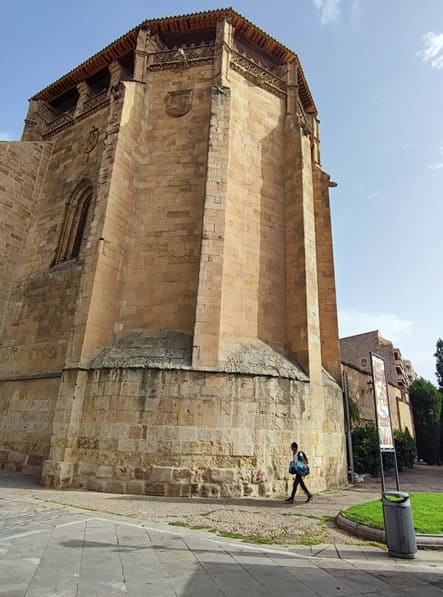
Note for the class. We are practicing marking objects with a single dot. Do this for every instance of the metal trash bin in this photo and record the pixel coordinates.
(399, 525)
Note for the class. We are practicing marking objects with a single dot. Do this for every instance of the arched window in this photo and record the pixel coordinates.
(74, 223)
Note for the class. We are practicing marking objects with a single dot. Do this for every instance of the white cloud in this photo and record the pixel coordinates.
(390, 326)
(373, 195)
(329, 10)
(438, 165)
(433, 49)
(4, 136)
(407, 146)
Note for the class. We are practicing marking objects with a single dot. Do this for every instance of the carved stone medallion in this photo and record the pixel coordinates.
(92, 139)
(178, 103)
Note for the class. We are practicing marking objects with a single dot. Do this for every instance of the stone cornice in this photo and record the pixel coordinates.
(177, 26)
(257, 74)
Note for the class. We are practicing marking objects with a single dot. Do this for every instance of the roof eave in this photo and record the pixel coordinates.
(180, 24)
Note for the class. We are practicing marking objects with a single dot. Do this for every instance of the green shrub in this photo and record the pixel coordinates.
(367, 455)
(365, 450)
(405, 449)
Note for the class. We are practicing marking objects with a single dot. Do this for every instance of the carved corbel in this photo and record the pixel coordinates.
(84, 92)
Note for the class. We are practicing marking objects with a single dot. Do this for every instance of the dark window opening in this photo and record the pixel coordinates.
(65, 102)
(99, 82)
(127, 64)
(80, 228)
(74, 224)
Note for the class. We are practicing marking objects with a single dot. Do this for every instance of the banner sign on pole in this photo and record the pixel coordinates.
(382, 404)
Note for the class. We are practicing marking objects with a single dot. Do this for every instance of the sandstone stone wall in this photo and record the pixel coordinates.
(330, 347)
(161, 272)
(167, 358)
(97, 314)
(254, 272)
(188, 433)
(22, 170)
(26, 415)
(40, 316)
(39, 319)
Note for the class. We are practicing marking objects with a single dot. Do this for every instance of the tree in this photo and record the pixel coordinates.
(426, 406)
(439, 365)
(439, 373)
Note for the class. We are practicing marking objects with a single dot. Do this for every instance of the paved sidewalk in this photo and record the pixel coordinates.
(47, 551)
(64, 543)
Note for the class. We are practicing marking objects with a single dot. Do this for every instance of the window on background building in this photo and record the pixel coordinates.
(74, 224)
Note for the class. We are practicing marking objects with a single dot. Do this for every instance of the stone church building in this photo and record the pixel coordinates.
(168, 316)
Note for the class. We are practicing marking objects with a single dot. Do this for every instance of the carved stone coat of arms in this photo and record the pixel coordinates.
(91, 140)
(178, 103)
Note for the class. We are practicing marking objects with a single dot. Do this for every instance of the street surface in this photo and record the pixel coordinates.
(49, 549)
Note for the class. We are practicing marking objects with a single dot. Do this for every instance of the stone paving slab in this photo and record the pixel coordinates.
(96, 556)
(49, 549)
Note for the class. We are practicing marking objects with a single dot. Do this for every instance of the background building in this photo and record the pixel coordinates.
(168, 305)
(356, 363)
(355, 351)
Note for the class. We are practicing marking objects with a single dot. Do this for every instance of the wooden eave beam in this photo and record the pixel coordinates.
(176, 25)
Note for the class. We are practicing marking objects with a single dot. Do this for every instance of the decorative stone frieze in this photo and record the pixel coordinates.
(61, 122)
(174, 59)
(257, 74)
(94, 103)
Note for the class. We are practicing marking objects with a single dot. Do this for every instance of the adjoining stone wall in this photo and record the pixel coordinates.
(26, 413)
(254, 272)
(22, 170)
(40, 315)
(161, 272)
(188, 433)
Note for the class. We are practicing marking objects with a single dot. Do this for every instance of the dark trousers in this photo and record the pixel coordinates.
(299, 481)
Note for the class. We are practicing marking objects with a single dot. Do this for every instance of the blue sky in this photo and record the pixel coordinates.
(375, 68)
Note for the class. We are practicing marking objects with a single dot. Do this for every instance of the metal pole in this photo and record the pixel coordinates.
(348, 425)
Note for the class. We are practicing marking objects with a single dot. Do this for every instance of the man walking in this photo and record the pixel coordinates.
(301, 461)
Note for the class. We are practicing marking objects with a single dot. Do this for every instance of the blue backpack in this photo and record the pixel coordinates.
(298, 467)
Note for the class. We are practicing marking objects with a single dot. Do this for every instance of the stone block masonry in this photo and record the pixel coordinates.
(168, 308)
(188, 433)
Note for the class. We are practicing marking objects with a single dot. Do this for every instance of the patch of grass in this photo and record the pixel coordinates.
(374, 544)
(206, 514)
(427, 512)
(249, 538)
(194, 527)
(309, 538)
(178, 523)
(311, 516)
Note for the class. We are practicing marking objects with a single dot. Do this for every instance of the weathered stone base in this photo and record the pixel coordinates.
(192, 433)
(164, 481)
(21, 462)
